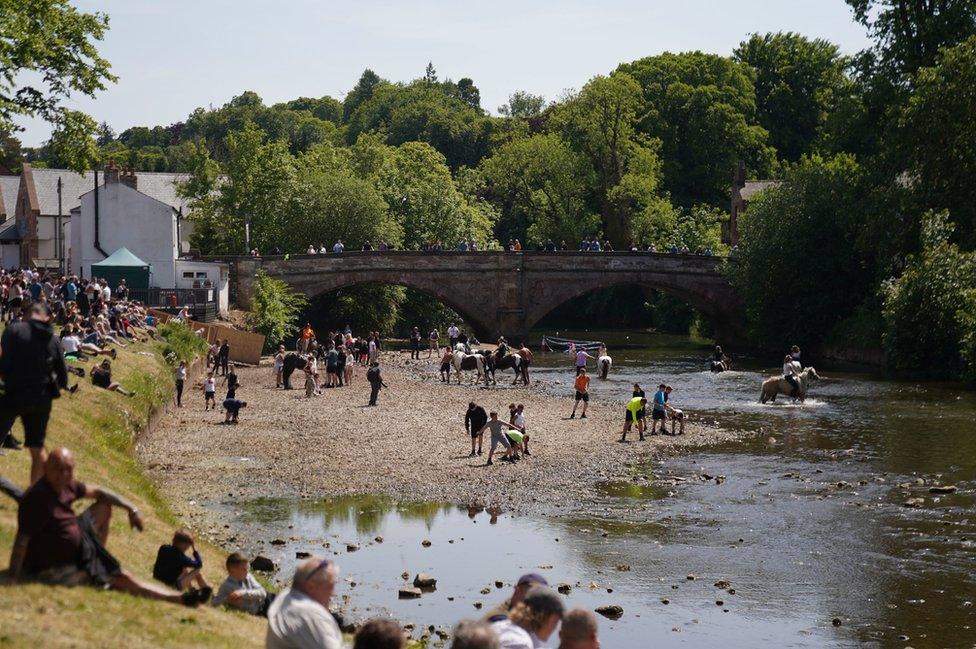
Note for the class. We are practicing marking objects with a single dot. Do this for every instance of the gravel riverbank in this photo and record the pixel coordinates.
(412, 446)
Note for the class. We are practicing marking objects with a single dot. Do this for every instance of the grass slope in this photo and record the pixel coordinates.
(100, 427)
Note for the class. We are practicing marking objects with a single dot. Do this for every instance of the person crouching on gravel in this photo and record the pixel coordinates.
(496, 426)
(677, 415)
(233, 409)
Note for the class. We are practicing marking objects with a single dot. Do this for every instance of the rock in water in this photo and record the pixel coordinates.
(409, 592)
(623, 567)
(302, 555)
(914, 502)
(351, 547)
(425, 543)
(611, 611)
(423, 580)
(564, 588)
(262, 563)
(943, 489)
(277, 541)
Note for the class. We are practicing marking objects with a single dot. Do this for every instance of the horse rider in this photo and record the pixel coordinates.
(789, 373)
(795, 354)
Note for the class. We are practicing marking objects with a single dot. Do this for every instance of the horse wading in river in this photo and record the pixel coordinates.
(506, 362)
(603, 364)
(776, 385)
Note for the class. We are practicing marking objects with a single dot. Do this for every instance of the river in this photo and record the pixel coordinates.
(806, 519)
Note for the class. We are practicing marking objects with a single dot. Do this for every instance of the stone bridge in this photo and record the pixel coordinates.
(504, 293)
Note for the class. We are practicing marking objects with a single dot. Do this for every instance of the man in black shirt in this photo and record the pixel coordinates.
(474, 421)
(223, 356)
(33, 372)
(375, 382)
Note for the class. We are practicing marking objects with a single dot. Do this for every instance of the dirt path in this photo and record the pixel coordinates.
(412, 446)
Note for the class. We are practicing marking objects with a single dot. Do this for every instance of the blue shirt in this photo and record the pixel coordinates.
(659, 399)
(70, 291)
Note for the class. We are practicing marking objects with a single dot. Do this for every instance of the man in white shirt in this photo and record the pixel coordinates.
(452, 335)
(299, 617)
(106, 293)
(338, 247)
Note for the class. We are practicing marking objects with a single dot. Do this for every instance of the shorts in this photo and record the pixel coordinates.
(500, 438)
(332, 369)
(209, 396)
(583, 396)
(33, 413)
(515, 436)
(629, 416)
(95, 565)
(445, 367)
(658, 414)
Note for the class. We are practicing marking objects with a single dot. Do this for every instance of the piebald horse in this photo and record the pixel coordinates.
(468, 362)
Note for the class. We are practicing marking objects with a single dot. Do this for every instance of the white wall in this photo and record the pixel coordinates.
(127, 219)
(205, 274)
(9, 255)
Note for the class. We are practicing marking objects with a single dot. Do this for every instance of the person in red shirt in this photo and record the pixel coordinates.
(55, 546)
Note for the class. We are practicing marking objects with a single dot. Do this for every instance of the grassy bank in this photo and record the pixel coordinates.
(100, 427)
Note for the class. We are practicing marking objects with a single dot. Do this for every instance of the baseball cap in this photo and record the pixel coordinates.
(545, 600)
(532, 578)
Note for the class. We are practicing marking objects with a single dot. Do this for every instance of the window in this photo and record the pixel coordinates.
(188, 274)
(202, 275)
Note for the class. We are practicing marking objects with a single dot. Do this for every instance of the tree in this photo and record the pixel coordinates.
(798, 268)
(936, 142)
(11, 153)
(600, 123)
(543, 186)
(799, 82)
(523, 105)
(72, 144)
(48, 53)
(274, 310)
(702, 107)
(468, 93)
(930, 310)
(909, 33)
(361, 93)
(430, 74)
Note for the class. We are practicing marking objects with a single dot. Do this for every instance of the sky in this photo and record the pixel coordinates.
(174, 56)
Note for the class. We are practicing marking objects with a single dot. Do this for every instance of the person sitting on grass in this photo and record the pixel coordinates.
(380, 633)
(77, 350)
(241, 591)
(101, 376)
(55, 546)
(233, 409)
(530, 622)
(299, 617)
(177, 570)
(496, 426)
(632, 415)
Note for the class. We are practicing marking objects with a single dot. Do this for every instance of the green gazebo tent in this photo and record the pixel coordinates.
(122, 264)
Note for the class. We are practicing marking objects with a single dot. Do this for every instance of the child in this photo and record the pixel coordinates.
(180, 380)
(240, 591)
(279, 366)
(233, 408)
(209, 390)
(177, 570)
(676, 415)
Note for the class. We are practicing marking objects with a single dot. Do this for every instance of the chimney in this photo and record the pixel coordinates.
(128, 177)
(740, 174)
(111, 172)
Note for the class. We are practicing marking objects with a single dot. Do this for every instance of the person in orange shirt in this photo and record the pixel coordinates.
(307, 335)
(518, 246)
(582, 393)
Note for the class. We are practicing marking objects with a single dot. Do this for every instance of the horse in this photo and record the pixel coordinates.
(776, 385)
(291, 363)
(508, 361)
(467, 362)
(723, 365)
(603, 364)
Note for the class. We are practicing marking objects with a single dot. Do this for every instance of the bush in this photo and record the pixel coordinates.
(930, 310)
(181, 343)
(274, 310)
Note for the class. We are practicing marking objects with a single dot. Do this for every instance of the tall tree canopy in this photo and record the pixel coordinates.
(799, 82)
(702, 107)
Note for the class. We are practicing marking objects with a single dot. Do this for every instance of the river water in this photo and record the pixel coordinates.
(806, 519)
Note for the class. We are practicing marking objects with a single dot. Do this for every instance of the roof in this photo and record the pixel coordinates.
(158, 185)
(122, 257)
(753, 187)
(9, 185)
(9, 231)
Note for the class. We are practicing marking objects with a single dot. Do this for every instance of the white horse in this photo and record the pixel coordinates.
(476, 362)
(603, 364)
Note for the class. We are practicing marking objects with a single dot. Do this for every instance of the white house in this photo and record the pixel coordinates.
(118, 214)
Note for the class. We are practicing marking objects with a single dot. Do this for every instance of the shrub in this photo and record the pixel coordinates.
(180, 343)
(274, 310)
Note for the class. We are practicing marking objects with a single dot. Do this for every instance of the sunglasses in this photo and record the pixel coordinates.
(324, 563)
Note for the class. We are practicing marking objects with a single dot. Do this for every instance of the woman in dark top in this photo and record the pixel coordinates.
(101, 376)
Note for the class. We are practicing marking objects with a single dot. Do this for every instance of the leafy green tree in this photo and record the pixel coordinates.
(275, 308)
(72, 144)
(702, 107)
(523, 105)
(360, 94)
(799, 269)
(47, 53)
(325, 108)
(930, 310)
(909, 33)
(936, 142)
(799, 83)
(11, 152)
(543, 185)
(600, 123)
